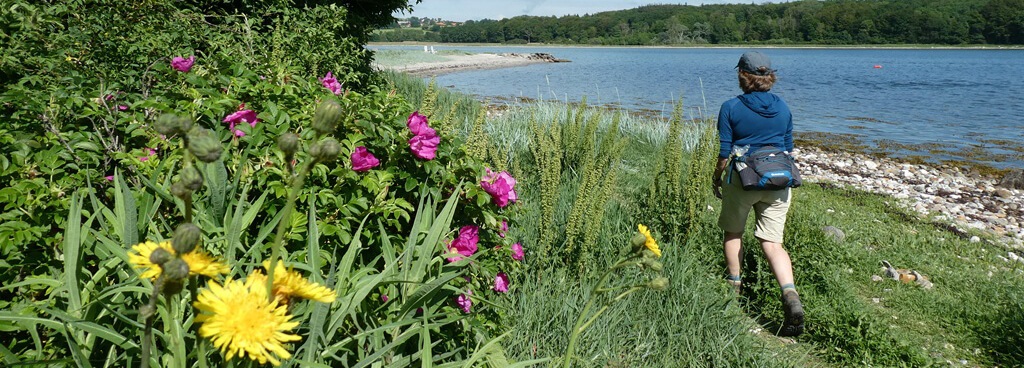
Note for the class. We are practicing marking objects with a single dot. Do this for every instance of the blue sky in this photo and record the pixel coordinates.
(461, 10)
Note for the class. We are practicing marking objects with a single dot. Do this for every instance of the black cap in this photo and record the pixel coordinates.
(752, 61)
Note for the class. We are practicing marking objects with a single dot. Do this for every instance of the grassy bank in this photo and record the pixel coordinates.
(971, 316)
(392, 58)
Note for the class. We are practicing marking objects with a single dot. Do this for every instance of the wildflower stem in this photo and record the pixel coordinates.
(282, 226)
(149, 311)
(580, 325)
(186, 159)
(607, 305)
(188, 208)
(193, 290)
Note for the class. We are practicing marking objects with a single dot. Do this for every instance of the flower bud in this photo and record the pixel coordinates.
(171, 287)
(160, 256)
(191, 178)
(171, 124)
(326, 117)
(660, 283)
(653, 265)
(326, 150)
(178, 189)
(204, 146)
(288, 143)
(175, 269)
(186, 237)
(638, 241)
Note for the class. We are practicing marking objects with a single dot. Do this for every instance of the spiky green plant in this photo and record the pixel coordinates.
(477, 143)
(547, 153)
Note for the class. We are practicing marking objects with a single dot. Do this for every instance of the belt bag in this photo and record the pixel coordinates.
(767, 168)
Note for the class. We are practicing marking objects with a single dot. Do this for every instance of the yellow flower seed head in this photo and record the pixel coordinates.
(291, 284)
(239, 319)
(660, 283)
(649, 243)
(199, 263)
(653, 265)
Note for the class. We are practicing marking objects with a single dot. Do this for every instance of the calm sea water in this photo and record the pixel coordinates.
(941, 104)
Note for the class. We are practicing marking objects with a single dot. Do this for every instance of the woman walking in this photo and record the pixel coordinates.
(756, 118)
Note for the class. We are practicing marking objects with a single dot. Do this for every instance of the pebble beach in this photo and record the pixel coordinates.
(967, 201)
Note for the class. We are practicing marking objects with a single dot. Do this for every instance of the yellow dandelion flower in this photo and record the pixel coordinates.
(288, 283)
(650, 243)
(199, 263)
(239, 319)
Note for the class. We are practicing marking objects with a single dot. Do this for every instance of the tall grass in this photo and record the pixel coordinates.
(694, 323)
(972, 314)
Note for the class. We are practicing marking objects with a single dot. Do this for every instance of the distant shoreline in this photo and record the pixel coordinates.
(751, 46)
(460, 63)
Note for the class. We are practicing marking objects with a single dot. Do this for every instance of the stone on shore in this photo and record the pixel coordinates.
(1013, 180)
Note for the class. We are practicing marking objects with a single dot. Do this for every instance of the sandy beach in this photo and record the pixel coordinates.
(455, 63)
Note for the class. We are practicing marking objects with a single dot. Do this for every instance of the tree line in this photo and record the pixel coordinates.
(949, 22)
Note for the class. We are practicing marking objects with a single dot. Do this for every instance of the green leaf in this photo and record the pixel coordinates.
(217, 184)
(425, 292)
(72, 246)
(76, 352)
(125, 211)
(387, 348)
(36, 281)
(313, 243)
(411, 184)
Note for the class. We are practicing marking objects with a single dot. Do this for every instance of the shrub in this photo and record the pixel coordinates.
(97, 167)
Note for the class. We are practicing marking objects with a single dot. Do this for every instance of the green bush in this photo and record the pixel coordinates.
(93, 167)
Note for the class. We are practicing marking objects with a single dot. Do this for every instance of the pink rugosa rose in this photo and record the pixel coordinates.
(517, 252)
(425, 139)
(331, 83)
(363, 160)
(149, 153)
(501, 282)
(241, 116)
(464, 302)
(109, 177)
(425, 146)
(417, 124)
(501, 187)
(182, 64)
(504, 229)
(464, 244)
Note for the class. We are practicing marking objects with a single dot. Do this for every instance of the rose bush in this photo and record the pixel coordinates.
(113, 146)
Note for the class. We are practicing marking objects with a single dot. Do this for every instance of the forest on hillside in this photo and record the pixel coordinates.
(949, 22)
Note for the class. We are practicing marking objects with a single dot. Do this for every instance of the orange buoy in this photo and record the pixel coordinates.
(878, 66)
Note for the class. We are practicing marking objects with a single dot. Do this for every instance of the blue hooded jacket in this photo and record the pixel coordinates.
(756, 118)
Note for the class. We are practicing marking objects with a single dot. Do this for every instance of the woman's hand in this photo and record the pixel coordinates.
(716, 178)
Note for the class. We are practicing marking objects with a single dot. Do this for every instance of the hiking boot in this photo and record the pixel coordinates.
(737, 286)
(794, 311)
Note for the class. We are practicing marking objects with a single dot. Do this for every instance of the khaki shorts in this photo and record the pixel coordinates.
(770, 208)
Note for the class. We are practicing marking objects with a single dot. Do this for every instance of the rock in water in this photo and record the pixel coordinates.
(1013, 180)
(833, 232)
